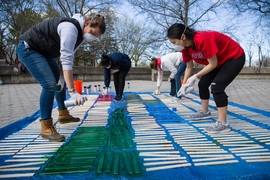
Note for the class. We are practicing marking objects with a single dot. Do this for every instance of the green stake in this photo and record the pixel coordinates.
(127, 163)
(101, 162)
(135, 162)
(109, 162)
(116, 164)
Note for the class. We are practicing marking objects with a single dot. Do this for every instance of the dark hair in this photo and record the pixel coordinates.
(153, 63)
(105, 60)
(176, 30)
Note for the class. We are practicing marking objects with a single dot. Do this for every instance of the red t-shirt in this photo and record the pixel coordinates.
(210, 43)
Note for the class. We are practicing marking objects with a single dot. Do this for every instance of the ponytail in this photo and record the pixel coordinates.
(153, 63)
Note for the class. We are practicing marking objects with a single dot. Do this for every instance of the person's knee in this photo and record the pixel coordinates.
(49, 86)
(217, 89)
(220, 97)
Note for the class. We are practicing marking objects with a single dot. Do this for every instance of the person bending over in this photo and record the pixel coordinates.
(222, 57)
(38, 48)
(119, 65)
(171, 62)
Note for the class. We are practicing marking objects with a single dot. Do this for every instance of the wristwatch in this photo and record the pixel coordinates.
(71, 90)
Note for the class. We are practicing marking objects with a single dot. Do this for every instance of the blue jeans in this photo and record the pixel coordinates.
(46, 72)
(176, 82)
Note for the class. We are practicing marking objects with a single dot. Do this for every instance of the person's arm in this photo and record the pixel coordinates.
(107, 77)
(188, 70)
(209, 67)
(159, 78)
(212, 65)
(68, 36)
(68, 75)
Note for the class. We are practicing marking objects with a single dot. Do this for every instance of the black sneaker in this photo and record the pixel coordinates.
(118, 98)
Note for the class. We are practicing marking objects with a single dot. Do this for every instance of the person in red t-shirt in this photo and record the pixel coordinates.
(223, 58)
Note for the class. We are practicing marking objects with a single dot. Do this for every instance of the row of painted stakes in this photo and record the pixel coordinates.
(24, 152)
(112, 149)
(155, 149)
(248, 141)
(85, 147)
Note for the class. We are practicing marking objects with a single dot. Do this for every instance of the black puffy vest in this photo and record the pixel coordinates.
(44, 38)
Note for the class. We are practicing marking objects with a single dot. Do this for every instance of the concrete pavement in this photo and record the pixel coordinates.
(18, 101)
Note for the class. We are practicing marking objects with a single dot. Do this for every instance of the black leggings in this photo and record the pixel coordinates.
(219, 79)
(119, 81)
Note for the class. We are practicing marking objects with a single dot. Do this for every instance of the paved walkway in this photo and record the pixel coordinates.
(18, 101)
(155, 140)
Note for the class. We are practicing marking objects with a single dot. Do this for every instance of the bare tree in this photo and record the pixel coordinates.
(166, 12)
(250, 54)
(16, 17)
(257, 9)
(266, 60)
(134, 38)
(68, 8)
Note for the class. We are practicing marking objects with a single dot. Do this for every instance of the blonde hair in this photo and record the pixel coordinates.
(97, 20)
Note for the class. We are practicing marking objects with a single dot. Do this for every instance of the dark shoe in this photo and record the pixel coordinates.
(118, 98)
(49, 132)
(65, 117)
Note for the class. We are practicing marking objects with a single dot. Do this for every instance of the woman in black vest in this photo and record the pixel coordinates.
(37, 50)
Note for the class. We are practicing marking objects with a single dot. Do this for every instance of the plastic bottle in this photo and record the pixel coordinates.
(103, 91)
(84, 90)
(95, 88)
(128, 85)
(88, 90)
(110, 89)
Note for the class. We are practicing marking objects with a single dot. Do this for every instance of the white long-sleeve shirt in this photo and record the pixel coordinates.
(68, 34)
(169, 62)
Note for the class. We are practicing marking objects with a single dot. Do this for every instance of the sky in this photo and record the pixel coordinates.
(245, 33)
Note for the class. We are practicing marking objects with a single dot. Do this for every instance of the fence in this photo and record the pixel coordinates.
(88, 74)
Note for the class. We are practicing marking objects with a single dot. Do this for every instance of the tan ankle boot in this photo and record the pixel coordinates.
(65, 117)
(49, 132)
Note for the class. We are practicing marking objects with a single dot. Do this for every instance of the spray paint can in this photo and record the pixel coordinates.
(84, 90)
(95, 88)
(128, 85)
(98, 87)
(69, 103)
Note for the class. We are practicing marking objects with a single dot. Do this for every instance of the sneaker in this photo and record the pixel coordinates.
(118, 98)
(201, 115)
(218, 127)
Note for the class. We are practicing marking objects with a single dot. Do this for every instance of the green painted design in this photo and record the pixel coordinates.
(151, 102)
(103, 150)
